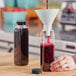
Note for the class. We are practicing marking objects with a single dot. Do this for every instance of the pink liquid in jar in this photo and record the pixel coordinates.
(47, 55)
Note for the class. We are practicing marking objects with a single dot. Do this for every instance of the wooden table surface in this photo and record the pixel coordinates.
(7, 67)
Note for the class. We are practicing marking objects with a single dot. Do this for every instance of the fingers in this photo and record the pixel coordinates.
(58, 64)
(58, 59)
(63, 63)
(60, 69)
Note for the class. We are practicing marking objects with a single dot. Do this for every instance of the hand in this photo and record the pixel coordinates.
(63, 63)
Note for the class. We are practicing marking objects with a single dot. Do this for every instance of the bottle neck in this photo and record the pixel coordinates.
(47, 39)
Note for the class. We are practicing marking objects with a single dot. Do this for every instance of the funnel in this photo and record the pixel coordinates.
(47, 16)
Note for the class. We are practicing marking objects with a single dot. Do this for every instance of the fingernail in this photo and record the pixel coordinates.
(52, 63)
(50, 68)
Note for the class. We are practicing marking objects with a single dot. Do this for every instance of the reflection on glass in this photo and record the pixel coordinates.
(63, 5)
(74, 5)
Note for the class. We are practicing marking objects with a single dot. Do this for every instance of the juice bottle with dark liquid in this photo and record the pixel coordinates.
(47, 50)
(21, 44)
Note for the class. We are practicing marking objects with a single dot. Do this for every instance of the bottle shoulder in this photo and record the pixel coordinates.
(21, 27)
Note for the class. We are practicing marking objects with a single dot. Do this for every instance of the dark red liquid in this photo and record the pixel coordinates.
(47, 55)
(21, 46)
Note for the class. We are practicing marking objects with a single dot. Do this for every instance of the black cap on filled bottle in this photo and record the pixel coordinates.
(21, 23)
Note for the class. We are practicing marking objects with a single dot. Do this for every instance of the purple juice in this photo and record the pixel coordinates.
(21, 45)
(47, 55)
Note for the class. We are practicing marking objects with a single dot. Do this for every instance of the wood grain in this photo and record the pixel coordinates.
(7, 67)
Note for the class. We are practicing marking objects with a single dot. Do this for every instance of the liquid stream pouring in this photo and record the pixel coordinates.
(47, 16)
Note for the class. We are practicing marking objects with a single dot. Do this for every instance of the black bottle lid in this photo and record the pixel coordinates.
(36, 71)
(21, 23)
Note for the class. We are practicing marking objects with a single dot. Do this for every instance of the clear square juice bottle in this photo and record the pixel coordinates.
(21, 47)
(47, 50)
